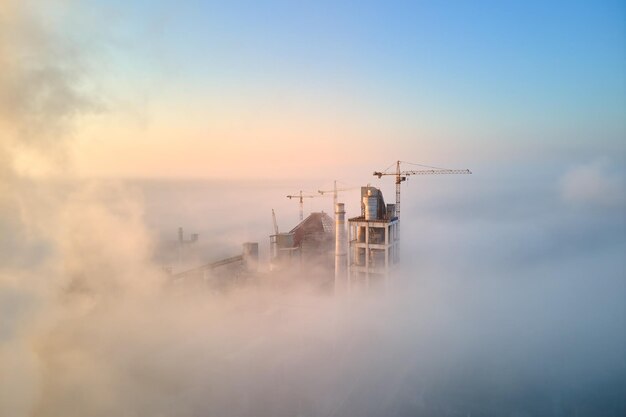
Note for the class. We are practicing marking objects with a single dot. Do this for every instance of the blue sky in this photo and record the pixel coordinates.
(508, 77)
(512, 297)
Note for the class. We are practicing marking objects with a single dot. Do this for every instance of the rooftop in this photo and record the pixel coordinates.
(315, 224)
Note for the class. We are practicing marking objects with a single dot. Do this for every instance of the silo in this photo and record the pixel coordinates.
(371, 206)
(341, 259)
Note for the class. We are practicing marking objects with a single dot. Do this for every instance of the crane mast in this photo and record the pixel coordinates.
(301, 198)
(335, 192)
(402, 176)
(399, 180)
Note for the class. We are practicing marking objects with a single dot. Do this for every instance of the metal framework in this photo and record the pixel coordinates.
(301, 198)
(402, 176)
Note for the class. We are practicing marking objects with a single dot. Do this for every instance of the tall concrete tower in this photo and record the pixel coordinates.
(374, 241)
(341, 261)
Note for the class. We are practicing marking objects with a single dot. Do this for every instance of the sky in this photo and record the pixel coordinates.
(268, 89)
(121, 122)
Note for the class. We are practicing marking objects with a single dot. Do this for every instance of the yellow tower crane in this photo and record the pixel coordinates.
(301, 198)
(335, 191)
(402, 176)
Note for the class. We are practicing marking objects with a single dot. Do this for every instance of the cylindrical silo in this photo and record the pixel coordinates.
(371, 206)
(341, 259)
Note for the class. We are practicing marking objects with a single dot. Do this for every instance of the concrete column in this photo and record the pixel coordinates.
(341, 261)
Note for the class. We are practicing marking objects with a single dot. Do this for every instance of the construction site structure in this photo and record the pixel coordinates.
(373, 243)
(184, 244)
(283, 251)
(341, 259)
(221, 273)
(401, 176)
(310, 243)
(336, 192)
(300, 196)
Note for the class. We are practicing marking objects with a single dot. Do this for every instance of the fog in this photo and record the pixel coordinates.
(507, 303)
(509, 300)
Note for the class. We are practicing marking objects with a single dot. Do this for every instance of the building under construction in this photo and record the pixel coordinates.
(222, 273)
(367, 252)
(355, 256)
(309, 245)
(374, 241)
(361, 256)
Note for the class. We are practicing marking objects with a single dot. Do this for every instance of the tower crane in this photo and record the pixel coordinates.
(335, 191)
(402, 176)
(301, 198)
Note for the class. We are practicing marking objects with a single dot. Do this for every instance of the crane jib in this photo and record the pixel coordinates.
(402, 176)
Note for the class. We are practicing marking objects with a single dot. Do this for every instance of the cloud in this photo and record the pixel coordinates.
(594, 184)
(87, 329)
(44, 86)
(43, 90)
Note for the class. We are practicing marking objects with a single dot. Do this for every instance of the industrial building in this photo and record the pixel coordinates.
(373, 243)
(222, 273)
(184, 245)
(374, 240)
(310, 244)
(362, 255)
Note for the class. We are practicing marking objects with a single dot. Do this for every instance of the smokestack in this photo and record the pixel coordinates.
(341, 261)
(180, 235)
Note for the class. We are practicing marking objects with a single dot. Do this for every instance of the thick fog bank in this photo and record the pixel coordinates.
(495, 311)
(509, 301)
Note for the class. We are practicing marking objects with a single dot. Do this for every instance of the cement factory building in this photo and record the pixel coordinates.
(309, 244)
(364, 254)
(373, 243)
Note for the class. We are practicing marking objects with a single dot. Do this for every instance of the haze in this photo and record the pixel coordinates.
(120, 123)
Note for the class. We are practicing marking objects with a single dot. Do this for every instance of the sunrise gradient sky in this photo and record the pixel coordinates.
(277, 88)
(509, 298)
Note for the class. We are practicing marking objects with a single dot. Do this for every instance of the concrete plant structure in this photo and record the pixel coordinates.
(310, 244)
(374, 242)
